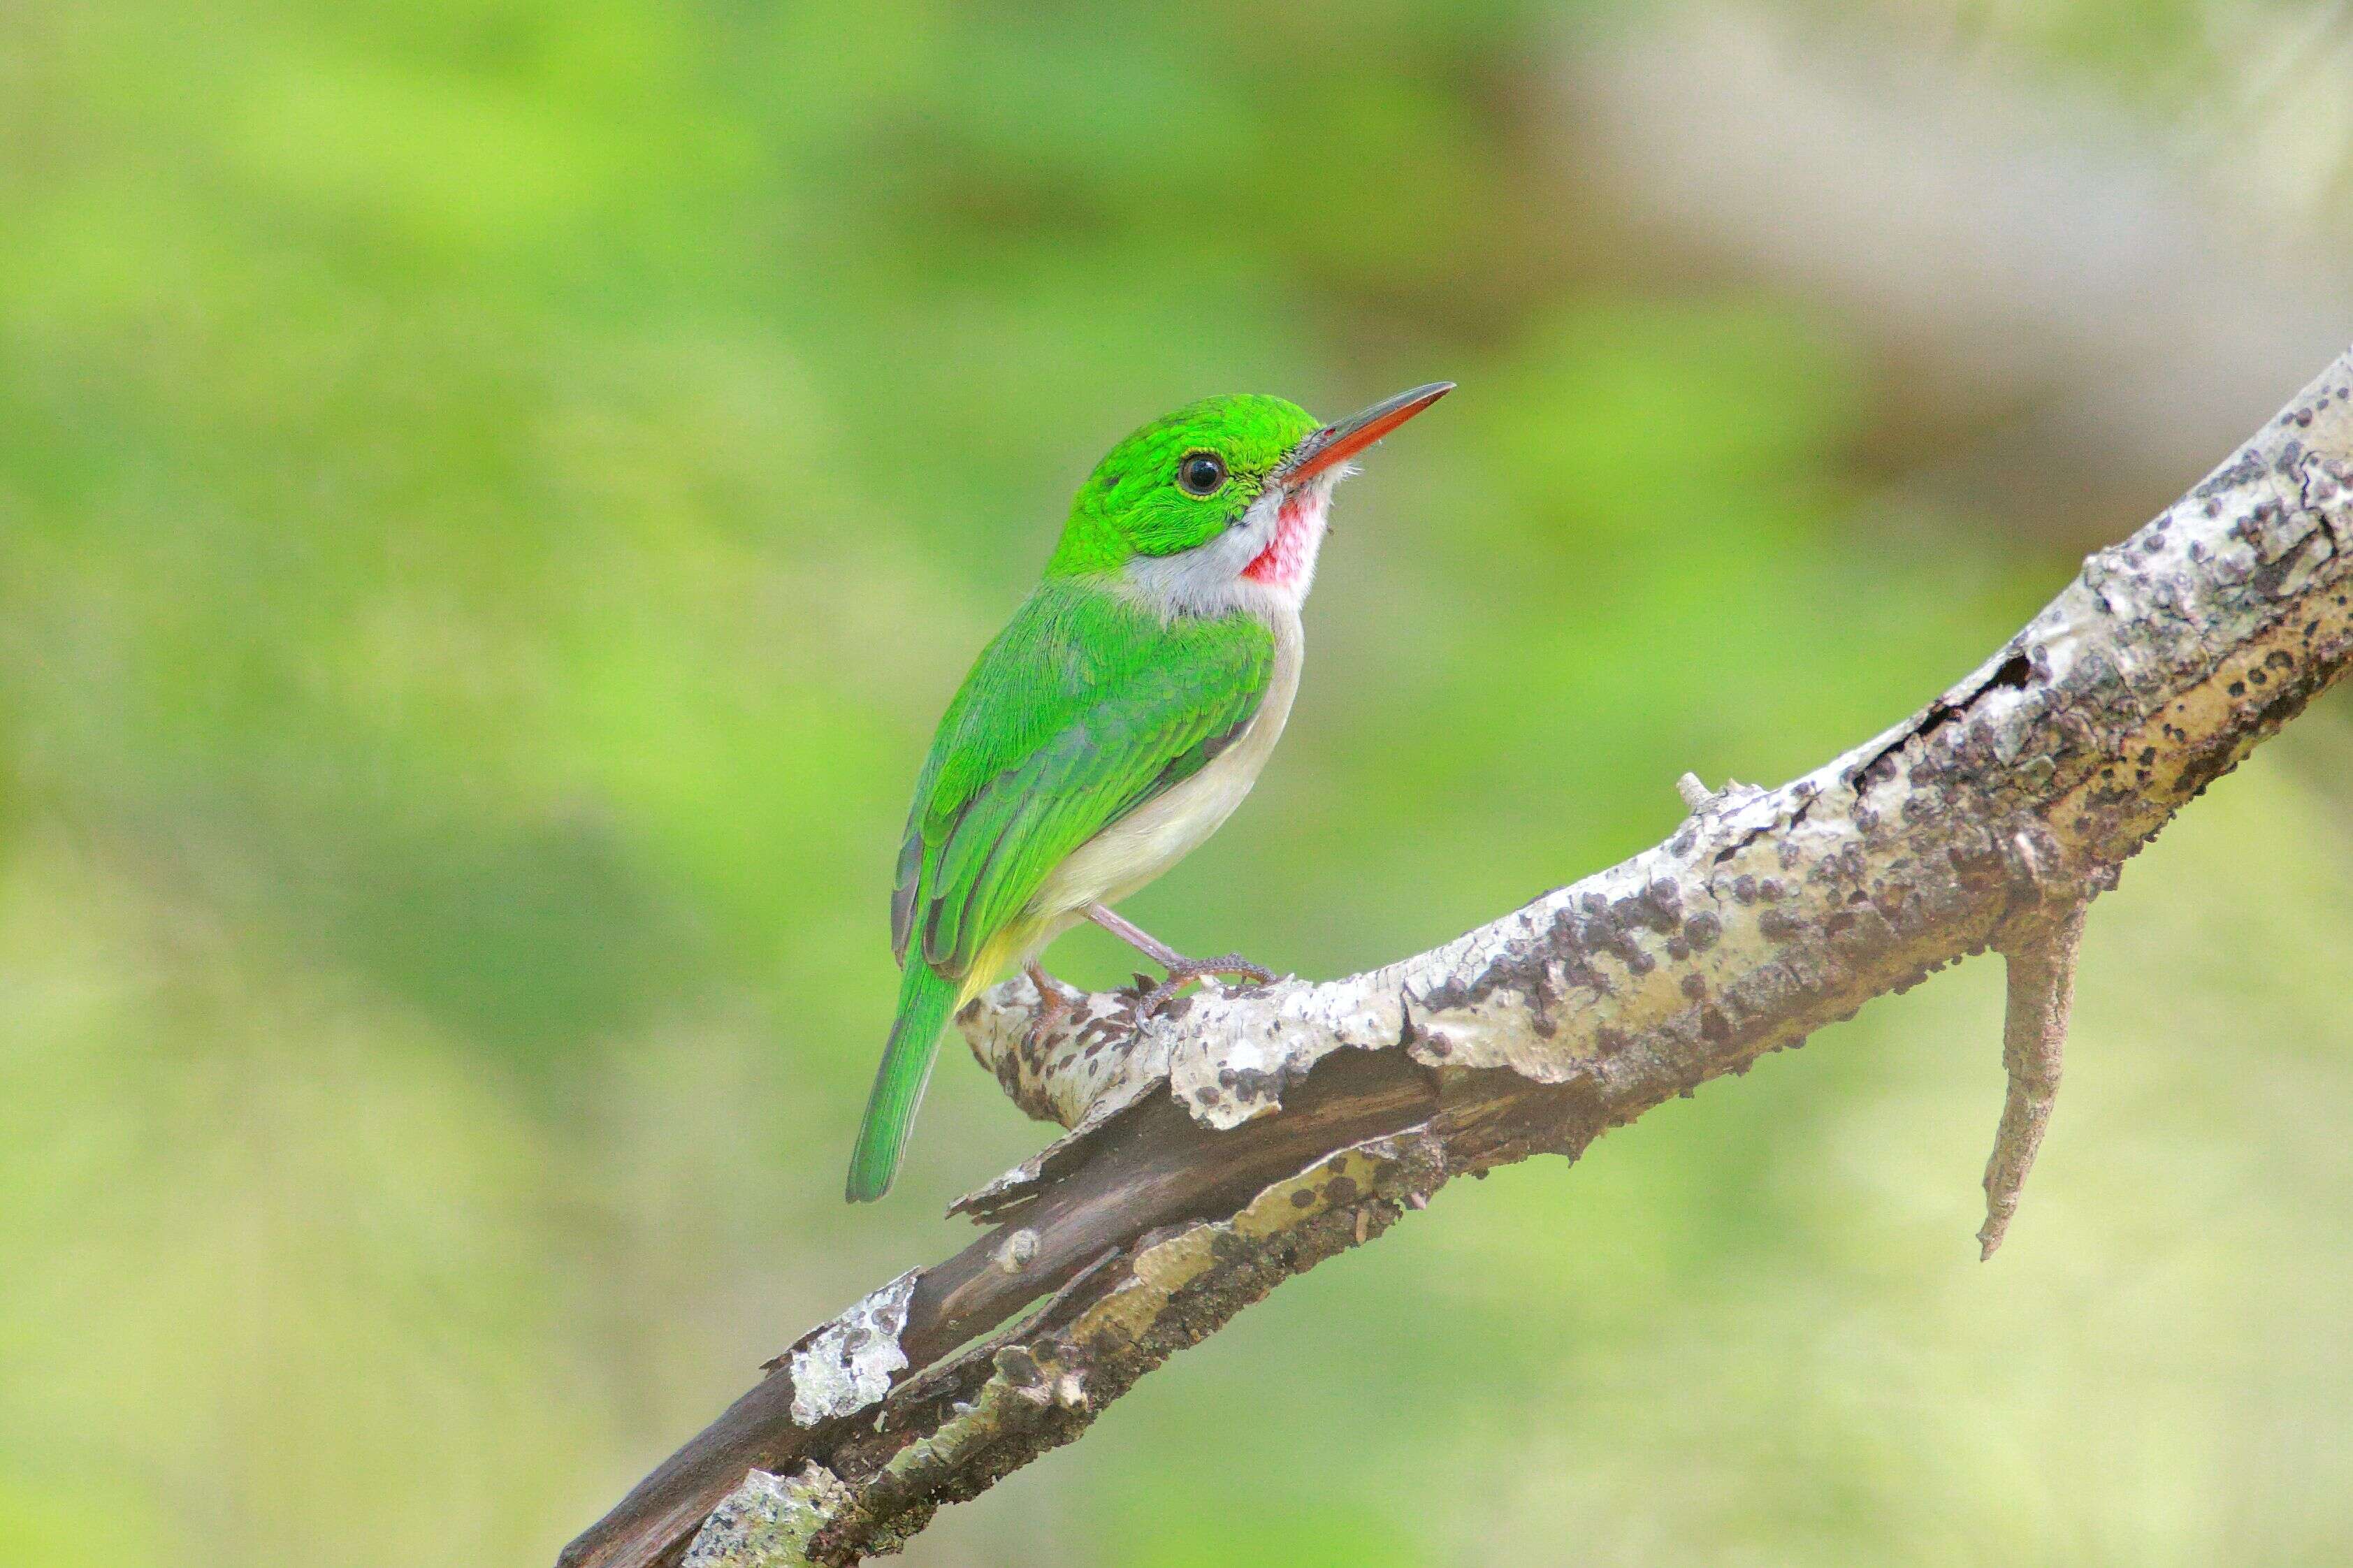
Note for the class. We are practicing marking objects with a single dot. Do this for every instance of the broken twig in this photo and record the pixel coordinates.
(2042, 993)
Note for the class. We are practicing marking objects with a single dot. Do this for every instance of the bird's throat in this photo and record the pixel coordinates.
(1288, 562)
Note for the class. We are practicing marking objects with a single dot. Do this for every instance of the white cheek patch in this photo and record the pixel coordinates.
(1268, 557)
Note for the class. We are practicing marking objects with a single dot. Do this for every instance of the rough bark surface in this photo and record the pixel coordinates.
(1242, 1137)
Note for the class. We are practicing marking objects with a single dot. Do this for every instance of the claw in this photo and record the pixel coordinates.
(1179, 975)
(1053, 1003)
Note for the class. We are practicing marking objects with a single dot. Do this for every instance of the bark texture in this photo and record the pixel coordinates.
(1242, 1137)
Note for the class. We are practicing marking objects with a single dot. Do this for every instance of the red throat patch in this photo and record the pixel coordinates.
(1288, 556)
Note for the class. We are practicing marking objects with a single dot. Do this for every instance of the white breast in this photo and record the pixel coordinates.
(1133, 850)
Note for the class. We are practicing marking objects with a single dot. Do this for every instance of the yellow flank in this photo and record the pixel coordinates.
(1020, 937)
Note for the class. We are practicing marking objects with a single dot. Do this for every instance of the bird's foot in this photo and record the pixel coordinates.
(1186, 970)
(1053, 1001)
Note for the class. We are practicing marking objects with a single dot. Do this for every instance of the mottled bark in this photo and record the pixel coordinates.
(1242, 1137)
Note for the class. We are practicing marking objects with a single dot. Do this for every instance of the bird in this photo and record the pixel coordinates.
(1116, 722)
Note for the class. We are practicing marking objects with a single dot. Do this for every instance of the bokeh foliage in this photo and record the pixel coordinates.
(492, 495)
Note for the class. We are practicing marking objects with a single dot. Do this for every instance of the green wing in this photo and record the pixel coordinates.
(1083, 707)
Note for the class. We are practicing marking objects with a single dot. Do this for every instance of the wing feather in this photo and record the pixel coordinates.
(1084, 707)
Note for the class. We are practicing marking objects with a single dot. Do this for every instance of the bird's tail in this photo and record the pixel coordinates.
(925, 1000)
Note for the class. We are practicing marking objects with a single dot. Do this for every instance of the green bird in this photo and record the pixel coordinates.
(1116, 722)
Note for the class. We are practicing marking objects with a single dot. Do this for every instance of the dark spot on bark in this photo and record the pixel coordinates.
(1703, 929)
(1664, 899)
(1253, 1083)
(1342, 1189)
(2246, 467)
(2271, 578)
(1228, 1249)
(1529, 972)
(1744, 889)
(1694, 987)
(1777, 925)
(1609, 1040)
(1302, 1197)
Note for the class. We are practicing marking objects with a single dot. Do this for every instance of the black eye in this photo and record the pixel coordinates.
(1200, 473)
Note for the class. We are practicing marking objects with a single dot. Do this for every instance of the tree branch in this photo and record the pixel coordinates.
(1240, 1138)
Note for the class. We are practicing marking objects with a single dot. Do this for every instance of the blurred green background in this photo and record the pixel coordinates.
(493, 494)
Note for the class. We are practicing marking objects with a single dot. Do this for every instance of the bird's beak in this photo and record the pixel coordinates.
(1336, 443)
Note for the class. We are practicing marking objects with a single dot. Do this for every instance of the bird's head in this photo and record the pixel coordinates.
(1222, 502)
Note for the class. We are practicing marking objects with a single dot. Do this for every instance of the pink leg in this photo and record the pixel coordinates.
(1050, 1001)
(1180, 968)
(1136, 937)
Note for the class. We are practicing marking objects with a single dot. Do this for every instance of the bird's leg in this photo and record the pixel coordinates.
(1053, 997)
(1136, 937)
(1180, 968)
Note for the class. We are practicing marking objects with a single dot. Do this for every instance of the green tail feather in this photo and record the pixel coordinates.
(925, 1000)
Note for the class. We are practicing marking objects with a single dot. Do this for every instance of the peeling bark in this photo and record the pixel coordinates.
(767, 1522)
(846, 1365)
(1239, 1137)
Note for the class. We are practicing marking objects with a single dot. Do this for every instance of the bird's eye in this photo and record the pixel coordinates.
(1200, 473)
